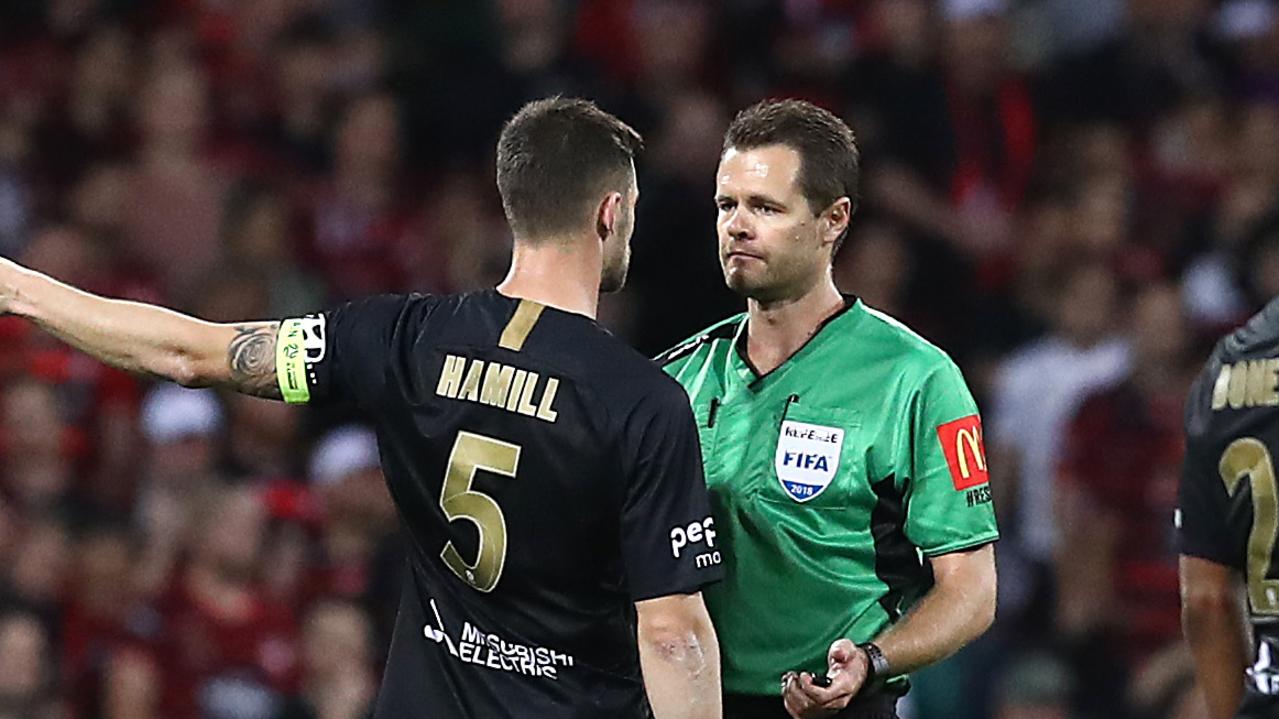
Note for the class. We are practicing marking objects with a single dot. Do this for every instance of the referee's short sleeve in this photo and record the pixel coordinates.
(670, 544)
(949, 499)
(340, 355)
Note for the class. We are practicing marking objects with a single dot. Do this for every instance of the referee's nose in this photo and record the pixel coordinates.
(737, 226)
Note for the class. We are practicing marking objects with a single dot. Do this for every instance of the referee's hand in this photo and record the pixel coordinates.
(848, 667)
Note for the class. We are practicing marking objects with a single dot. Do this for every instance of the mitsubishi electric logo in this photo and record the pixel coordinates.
(492, 651)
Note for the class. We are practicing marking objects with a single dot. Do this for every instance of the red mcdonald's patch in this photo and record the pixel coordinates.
(965, 453)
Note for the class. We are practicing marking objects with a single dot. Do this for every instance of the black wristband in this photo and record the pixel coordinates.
(878, 672)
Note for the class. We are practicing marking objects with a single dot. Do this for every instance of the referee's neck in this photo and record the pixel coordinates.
(778, 329)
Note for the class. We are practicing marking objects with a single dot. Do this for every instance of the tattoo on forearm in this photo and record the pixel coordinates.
(252, 358)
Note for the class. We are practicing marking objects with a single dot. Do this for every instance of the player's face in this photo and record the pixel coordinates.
(771, 245)
(617, 247)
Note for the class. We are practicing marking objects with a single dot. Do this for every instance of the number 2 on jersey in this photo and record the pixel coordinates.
(1248, 457)
(471, 453)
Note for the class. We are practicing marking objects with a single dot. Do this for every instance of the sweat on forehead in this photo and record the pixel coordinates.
(761, 165)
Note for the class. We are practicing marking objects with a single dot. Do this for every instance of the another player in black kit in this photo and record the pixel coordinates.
(549, 476)
(1228, 517)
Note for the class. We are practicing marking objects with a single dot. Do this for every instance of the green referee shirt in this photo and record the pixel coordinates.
(832, 478)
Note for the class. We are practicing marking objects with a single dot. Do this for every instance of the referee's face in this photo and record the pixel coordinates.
(770, 242)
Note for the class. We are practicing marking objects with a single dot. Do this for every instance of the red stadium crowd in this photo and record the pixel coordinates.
(1073, 198)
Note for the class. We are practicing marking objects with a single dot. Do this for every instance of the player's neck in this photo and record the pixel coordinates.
(778, 329)
(560, 274)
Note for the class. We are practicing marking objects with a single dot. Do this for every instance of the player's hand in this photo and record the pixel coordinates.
(848, 667)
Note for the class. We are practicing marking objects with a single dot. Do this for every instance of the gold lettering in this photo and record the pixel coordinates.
(497, 384)
(1238, 391)
(969, 439)
(450, 376)
(1221, 388)
(979, 449)
(517, 388)
(544, 410)
(525, 407)
(1257, 376)
(1270, 397)
(471, 386)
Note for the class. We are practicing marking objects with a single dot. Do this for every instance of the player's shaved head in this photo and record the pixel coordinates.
(556, 159)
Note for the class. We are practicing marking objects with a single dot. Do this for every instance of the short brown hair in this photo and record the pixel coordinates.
(830, 163)
(555, 158)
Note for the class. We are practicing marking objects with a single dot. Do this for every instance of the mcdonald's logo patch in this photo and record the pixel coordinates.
(965, 454)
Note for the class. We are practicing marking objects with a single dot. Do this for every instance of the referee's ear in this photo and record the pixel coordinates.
(834, 223)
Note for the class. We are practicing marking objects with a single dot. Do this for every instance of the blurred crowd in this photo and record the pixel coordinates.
(1073, 197)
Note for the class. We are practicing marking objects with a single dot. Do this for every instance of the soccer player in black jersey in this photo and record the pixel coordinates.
(549, 476)
(1228, 517)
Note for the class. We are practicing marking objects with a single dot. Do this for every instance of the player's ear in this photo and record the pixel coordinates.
(607, 215)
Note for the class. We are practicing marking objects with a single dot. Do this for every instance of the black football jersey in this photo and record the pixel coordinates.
(1229, 499)
(549, 477)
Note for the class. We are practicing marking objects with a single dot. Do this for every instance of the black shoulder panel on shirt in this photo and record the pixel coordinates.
(680, 350)
(723, 331)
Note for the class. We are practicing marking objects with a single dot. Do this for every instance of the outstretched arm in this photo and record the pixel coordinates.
(143, 338)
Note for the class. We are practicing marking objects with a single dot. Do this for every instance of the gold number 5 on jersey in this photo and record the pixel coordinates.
(471, 453)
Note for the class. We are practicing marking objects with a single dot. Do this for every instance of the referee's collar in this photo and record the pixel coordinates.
(739, 341)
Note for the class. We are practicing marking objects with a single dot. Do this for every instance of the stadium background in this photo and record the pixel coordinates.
(1073, 197)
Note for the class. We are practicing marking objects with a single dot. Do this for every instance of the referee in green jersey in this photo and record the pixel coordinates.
(843, 451)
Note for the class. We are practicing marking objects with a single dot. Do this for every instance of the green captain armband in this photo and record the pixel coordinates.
(290, 363)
